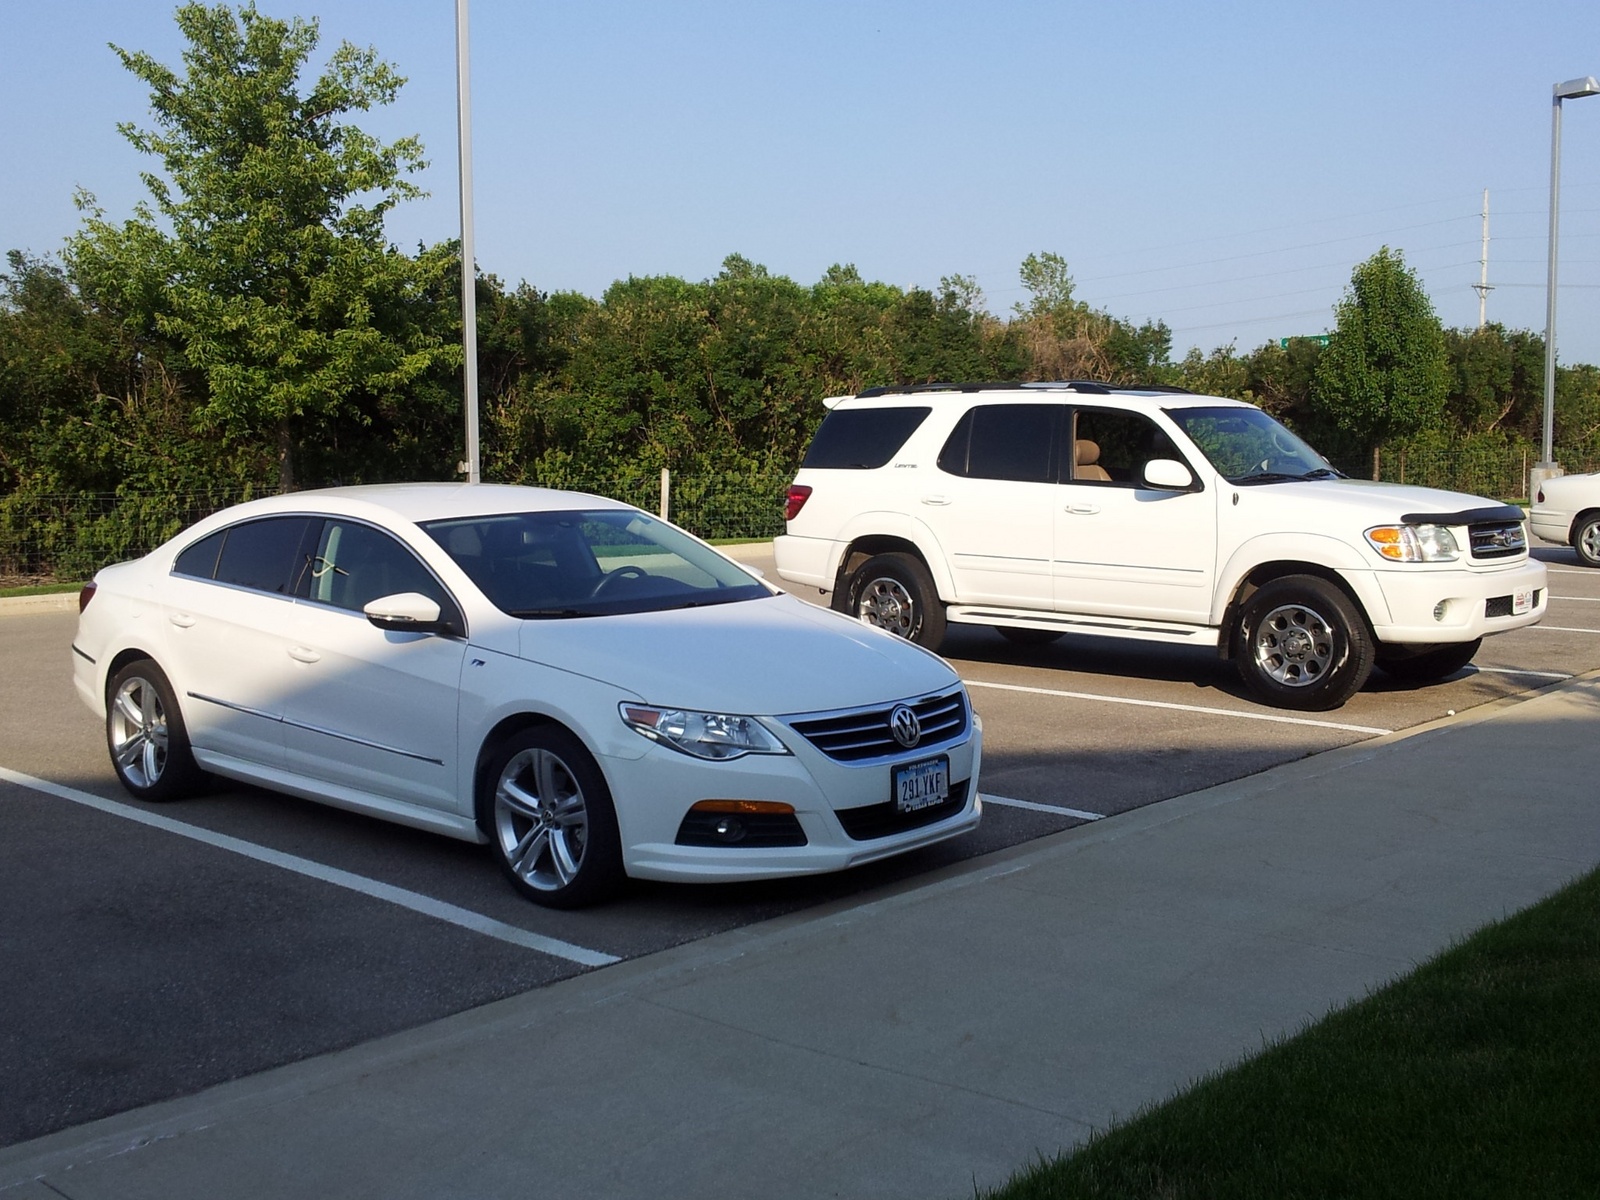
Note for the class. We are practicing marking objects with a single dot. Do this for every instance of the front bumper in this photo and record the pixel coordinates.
(1463, 599)
(654, 792)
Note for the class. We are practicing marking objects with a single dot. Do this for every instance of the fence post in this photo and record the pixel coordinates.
(666, 494)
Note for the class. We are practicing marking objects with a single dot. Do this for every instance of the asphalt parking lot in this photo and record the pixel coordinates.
(245, 930)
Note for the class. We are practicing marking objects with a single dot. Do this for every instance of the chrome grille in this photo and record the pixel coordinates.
(855, 735)
(1497, 539)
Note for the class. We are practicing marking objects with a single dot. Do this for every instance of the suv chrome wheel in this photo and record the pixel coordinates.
(1294, 645)
(1301, 643)
(895, 593)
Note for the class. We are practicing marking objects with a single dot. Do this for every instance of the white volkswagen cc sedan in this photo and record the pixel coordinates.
(589, 690)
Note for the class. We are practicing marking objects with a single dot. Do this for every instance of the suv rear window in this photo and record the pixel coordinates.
(862, 439)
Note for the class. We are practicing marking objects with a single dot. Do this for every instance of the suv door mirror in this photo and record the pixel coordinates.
(1167, 474)
(405, 612)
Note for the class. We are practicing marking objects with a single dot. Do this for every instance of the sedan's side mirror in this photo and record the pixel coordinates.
(405, 612)
(1167, 474)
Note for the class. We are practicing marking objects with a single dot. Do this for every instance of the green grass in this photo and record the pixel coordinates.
(40, 589)
(1478, 1075)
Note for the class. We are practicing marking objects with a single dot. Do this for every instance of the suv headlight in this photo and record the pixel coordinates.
(701, 734)
(1414, 543)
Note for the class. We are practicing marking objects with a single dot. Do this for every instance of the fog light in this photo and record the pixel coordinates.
(1439, 610)
(729, 829)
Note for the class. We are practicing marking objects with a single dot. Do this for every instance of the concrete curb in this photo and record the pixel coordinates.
(15, 606)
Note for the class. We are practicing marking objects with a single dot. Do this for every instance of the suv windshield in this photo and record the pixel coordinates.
(1247, 446)
(589, 564)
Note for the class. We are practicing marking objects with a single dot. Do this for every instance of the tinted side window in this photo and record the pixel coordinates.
(200, 559)
(1003, 441)
(267, 555)
(1112, 446)
(355, 564)
(862, 438)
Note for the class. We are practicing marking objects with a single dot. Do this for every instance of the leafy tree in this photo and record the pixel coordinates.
(1384, 373)
(260, 259)
(1497, 379)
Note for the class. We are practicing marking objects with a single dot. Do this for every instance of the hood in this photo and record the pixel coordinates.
(760, 657)
(1374, 503)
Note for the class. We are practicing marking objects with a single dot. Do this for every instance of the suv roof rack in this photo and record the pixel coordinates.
(1093, 387)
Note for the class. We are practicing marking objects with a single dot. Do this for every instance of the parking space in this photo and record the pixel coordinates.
(148, 960)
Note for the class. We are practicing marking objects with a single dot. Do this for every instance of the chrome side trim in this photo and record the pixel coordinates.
(355, 741)
(343, 737)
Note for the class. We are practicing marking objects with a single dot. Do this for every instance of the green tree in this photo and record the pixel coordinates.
(261, 258)
(1384, 373)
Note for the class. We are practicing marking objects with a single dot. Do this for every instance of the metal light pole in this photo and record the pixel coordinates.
(469, 289)
(1570, 90)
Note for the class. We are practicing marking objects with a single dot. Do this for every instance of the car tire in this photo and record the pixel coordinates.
(1425, 666)
(1301, 643)
(1020, 636)
(146, 736)
(550, 819)
(1586, 540)
(895, 593)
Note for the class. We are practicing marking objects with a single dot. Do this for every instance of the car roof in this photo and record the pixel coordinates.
(1146, 397)
(415, 502)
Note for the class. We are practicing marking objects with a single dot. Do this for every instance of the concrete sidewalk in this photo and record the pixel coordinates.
(931, 1038)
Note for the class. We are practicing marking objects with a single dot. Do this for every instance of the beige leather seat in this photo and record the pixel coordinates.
(1086, 461)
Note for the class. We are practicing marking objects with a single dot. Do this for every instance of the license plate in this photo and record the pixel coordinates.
(1522, 602)
(922, 784)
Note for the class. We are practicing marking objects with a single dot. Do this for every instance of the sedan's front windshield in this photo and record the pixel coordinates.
(1246, 446)
(548, 565)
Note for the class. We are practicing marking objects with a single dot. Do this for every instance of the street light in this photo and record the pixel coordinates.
(1570, 90)
(469, 282)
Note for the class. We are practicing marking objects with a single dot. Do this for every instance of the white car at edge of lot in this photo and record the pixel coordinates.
(588, 689)
(1566, 511)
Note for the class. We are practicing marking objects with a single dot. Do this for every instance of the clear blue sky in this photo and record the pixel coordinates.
(1219, 166)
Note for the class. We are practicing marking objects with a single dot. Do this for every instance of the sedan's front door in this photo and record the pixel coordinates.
(369, 709)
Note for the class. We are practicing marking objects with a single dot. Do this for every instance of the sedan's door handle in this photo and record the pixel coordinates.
(936, 499)
(181, 620)
(304, 654)
(1083, 510)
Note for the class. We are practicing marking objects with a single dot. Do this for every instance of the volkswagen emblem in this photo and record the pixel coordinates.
(904, 725)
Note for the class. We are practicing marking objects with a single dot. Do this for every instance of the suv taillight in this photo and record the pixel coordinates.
(794, 500)
(85, 594)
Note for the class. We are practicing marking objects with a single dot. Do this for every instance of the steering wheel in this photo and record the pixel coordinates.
(612, 580)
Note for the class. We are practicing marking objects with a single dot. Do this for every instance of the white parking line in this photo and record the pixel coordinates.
(1562, 629)
(1572, 571)
(1194, 708)
(1007, 802)
(1590, 599)
(415, 901)
(1514, 671)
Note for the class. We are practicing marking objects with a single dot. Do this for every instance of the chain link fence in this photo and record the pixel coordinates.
(67, 538)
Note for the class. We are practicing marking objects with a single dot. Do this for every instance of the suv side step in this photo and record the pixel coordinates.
(1171, 632)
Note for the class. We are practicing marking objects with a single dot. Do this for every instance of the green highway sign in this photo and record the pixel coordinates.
(1320, 339)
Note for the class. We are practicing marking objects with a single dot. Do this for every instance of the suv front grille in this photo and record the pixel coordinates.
(861, 734)
(1501, 606)
(1497, 539)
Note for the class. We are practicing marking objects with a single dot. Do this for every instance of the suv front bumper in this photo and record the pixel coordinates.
(1455, 605)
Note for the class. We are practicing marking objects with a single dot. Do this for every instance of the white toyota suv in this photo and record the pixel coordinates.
(1148, 513)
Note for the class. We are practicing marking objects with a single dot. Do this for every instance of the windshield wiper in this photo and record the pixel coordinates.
(550, 614)
(1324, 473)
(1267, 477)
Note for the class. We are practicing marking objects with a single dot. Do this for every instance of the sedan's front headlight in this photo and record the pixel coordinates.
(701, 734)
(1414, 543)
